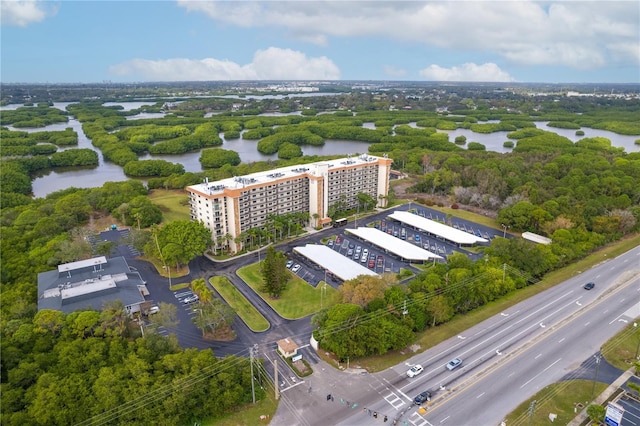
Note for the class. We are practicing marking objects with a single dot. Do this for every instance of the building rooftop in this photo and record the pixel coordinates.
(395, 245)
(89, 284)
(436, 228)
(239, 182)
(334, 262)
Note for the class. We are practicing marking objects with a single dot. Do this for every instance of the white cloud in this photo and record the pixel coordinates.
(579, 34)
(488, 72)
(270, 64)
(21, 13)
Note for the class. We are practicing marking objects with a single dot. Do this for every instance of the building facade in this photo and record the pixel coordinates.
(231, 206)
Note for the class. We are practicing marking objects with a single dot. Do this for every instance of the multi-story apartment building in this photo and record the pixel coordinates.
(231, 206)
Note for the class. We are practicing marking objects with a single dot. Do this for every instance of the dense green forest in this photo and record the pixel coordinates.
(62, 369)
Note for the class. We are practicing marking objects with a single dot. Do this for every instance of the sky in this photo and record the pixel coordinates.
(195, 40)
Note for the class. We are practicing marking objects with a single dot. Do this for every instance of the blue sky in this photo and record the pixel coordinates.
(135, 41)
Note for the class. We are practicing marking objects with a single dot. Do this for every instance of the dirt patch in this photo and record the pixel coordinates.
(223, 334)
(301, 367)
(401, 190)
(98, 223)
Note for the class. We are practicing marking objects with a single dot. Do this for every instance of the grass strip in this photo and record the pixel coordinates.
(298, 300)
(245, 310)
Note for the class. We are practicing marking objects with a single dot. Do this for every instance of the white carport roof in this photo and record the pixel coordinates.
(339, 265)
(392, 244)
(436, 228)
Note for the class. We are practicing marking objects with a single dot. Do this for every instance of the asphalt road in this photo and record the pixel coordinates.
(506, 359)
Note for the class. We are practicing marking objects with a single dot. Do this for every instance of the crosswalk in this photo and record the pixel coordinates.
(395, 401)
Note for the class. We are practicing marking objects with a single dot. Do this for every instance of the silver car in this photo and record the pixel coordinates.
(454, 363)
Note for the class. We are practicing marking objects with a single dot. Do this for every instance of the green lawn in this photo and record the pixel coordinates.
(245, 310)
(558, 398)
(248, 415)
(299, 299)
(173, 204)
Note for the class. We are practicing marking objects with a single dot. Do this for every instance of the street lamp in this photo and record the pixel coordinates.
(504, 232)
(635, 325)
(597, 357)
(323, 290)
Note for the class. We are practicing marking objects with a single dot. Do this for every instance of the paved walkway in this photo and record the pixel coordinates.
(600, 399)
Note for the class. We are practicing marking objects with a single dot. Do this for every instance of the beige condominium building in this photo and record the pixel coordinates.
(231, 206)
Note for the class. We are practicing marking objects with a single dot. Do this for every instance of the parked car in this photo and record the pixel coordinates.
(415, 370)
(422, 398)
(330, 243)
(153, 310)
(289, 264)
(417, 238)
(295, 268)
(338, 239)
(454, 363)
(372, 263)
(350, 252)
(191, 299)
(589, 286)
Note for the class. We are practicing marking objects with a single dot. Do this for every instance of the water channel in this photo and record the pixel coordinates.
(55, 180)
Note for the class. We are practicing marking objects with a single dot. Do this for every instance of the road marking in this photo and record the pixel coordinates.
(503, 314)
(394, 400)
(479, 395)
(578, 303)
(587, 323)
(444, 420)
(561, 340)
(542, 325)
(461, 338)
(534, 377)
(537, 356)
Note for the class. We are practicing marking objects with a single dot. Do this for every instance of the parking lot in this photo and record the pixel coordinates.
(379, 260)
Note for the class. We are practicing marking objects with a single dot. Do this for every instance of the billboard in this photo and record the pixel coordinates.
(613, 416)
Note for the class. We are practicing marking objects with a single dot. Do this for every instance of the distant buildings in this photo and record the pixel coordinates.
(89, 284)
(232, 206)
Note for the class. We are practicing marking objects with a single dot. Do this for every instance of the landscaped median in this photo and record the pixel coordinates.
(245, 310)
(299, 300)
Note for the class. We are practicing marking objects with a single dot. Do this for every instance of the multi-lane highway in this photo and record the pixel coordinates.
(511, 356)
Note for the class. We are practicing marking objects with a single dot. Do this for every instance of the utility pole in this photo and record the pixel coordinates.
(276, 381)
(595, 379)
(252, 352)
(532, 407)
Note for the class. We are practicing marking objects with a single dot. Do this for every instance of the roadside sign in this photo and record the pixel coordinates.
(614, 413)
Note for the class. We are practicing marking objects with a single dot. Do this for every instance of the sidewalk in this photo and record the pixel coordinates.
(600, 399)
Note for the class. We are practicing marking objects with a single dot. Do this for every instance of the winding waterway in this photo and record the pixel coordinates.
(55, 180)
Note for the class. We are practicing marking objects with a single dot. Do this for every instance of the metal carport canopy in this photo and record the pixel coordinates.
(339, 265)
(392, 244)
(436, 228)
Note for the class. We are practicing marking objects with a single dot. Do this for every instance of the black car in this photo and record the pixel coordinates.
(422, 398)
(589, 286)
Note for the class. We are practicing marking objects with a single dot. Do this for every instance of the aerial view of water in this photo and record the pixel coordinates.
(55, 180)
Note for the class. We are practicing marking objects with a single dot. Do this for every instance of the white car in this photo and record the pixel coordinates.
(295, 268)
(454, 363)
(415, 370)
(191, 299)
(289, 264)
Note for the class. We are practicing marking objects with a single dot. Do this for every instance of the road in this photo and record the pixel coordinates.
(507, 358)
